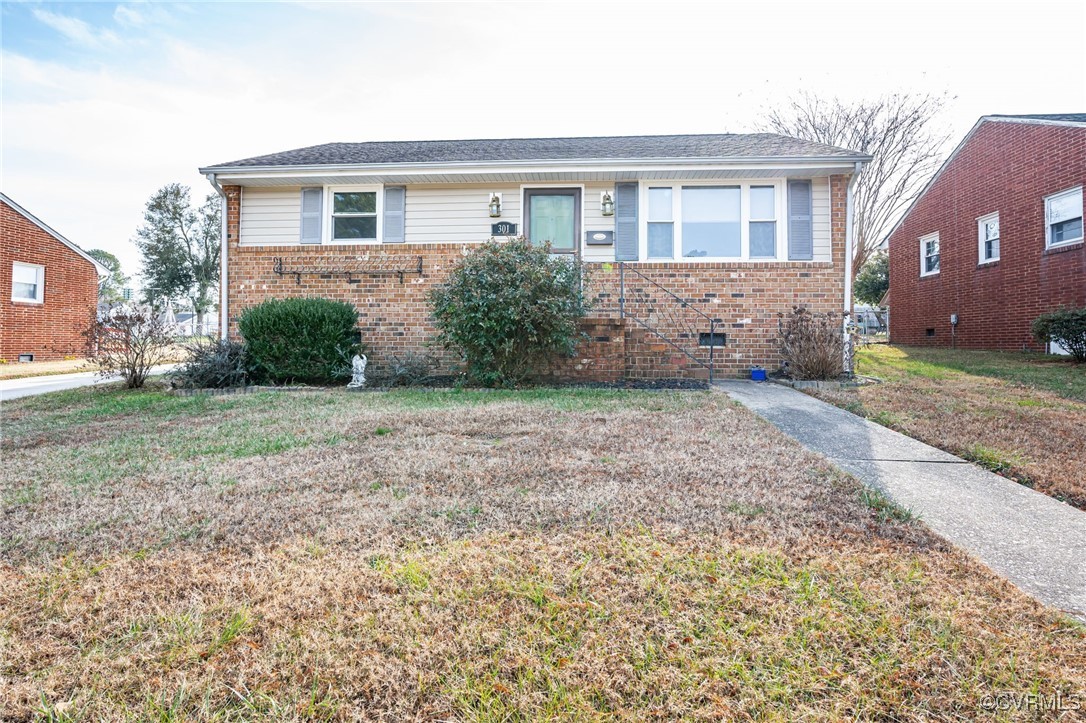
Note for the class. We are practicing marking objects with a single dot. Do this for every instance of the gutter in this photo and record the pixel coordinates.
(223, 249)
(850, 231)
(631, 163)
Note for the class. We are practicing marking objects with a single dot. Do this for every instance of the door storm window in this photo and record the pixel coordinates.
(661, 220)
(28, 283)
(354, 215)
(763, 222)
(1063, 217)
(988, 238)
(553, 216)
(929, 254)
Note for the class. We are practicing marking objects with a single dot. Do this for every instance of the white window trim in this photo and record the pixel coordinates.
(580, 245)
(676, 186)
(40, 270)
(923, 245)
(981, 239)
(1048, 225)
(329, 205)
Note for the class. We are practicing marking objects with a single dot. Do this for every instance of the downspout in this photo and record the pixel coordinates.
(224, 325)
(850, 231)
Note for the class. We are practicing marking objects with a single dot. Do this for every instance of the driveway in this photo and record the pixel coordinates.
(1033, 540)
(31, 386)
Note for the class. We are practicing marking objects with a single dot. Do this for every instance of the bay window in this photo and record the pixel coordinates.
(713, 221)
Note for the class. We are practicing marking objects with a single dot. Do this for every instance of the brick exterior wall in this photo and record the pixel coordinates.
(1004, 167)
(394, 316)
(53, 329)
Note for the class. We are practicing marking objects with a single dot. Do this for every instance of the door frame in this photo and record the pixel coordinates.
(575, 190)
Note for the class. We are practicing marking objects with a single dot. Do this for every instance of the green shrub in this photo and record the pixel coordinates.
(1066, 327)
(307, 340)
(510, 308)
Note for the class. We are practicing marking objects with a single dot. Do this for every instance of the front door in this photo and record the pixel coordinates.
(553, 215)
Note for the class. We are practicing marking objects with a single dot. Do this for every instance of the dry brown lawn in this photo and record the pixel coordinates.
(1022, 416)
(581, 555)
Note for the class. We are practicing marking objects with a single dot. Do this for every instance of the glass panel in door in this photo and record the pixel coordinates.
(553, 218)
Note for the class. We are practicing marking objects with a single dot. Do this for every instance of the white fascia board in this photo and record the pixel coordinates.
(98, 266)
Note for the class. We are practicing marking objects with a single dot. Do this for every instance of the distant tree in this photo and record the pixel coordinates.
(873, 279)
(180, 246)
(111, 286)
(900, 134)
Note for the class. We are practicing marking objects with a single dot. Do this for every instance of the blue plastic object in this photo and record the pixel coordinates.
(757, 374)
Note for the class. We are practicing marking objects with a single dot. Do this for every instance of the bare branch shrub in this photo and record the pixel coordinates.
(812, 344)
(212, 364)
(129, 341)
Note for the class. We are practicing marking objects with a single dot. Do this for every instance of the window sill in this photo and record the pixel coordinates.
(988, 264)
(27, 302)
(929, 276)
(1062, 248)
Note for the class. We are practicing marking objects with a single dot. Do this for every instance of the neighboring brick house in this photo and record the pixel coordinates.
(738, 227)
(995, 239)
(50, 289)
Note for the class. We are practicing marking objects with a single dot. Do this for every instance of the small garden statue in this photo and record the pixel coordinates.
(358, 372)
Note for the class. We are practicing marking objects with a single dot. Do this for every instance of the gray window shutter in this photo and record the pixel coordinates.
(395, 200)
(312, 201)
(800, 223)
(626, 222)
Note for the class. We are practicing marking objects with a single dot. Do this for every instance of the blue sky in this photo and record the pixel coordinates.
(103, 103)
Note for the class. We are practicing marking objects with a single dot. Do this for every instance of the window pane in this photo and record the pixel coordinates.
(991, 249)
(763, 239)
(1067, 230)
(352, 227)
(711, 218)
(763, 202)
(660, 204)
(991, 229)
(661, 240)
(552, 219)
(1064, 207)
(24, 274)
(20, 290)
(355, 202)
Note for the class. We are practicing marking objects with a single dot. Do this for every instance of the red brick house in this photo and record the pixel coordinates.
(996, 238)
(50, 289)
(693, 244)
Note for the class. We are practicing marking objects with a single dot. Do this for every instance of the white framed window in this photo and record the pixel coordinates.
(713, 221)
(28, 283)
(988, 238)
(354, 214)
(1063, 217)
(929, 254)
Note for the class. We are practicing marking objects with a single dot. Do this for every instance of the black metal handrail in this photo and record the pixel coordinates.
(683, 303)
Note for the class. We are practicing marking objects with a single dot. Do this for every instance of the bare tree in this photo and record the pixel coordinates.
(900, 134)
(129, 342)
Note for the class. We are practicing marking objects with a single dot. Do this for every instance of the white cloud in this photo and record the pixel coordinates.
(77, 31)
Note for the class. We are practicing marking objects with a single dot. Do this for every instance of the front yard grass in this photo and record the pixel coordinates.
(1020, 415)
(585, 555)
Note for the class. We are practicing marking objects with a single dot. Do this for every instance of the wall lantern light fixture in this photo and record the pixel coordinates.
(495, 205)
(607, 204)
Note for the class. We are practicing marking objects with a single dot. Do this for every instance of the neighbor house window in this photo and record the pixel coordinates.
(929, 254)
(27, 283)
(713, 221)
(988, 238)
(1063, 217)
(661, 223)
(354, 215)
(763, 222)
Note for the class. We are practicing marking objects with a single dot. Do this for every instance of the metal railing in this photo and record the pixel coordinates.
(673, 317)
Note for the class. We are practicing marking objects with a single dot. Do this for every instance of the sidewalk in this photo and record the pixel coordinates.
(1035, 541)
(30, 386)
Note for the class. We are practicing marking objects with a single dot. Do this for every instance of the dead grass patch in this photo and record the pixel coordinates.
(1024, 432)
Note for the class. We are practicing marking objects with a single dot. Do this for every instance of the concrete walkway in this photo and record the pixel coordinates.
(1033, 540)
(31, 386)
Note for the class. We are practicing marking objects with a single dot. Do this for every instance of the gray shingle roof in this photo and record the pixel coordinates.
(727, 145)
(1060, 117)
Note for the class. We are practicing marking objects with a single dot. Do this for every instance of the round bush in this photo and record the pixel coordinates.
(307, 340)
(510, 308)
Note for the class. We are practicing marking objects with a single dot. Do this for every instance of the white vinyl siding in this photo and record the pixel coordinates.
(455, 213)
(594, 220)
(270, 216)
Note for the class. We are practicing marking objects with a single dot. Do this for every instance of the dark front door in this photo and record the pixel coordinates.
(553, 215)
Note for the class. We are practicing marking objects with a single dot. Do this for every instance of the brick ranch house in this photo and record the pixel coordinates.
(692, 244)
(996, 237)
(51, 289)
